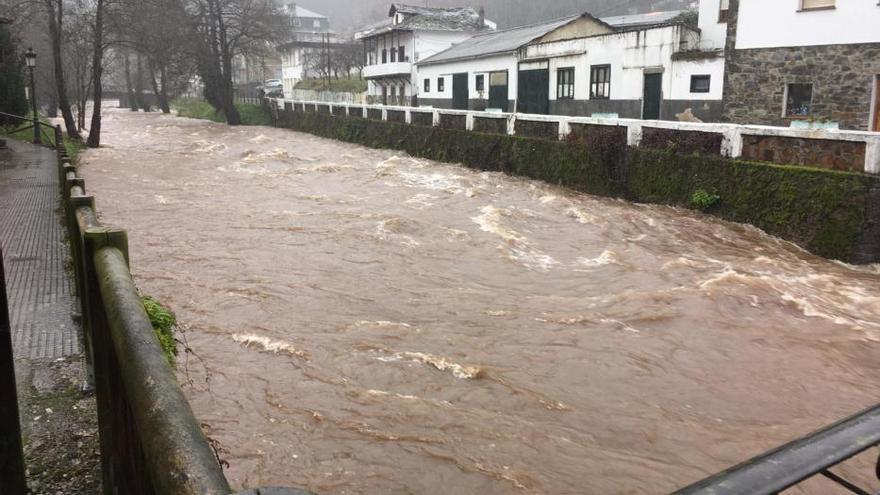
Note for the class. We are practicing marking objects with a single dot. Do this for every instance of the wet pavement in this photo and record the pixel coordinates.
(362, 321)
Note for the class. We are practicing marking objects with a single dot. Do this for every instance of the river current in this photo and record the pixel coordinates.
(362, 321)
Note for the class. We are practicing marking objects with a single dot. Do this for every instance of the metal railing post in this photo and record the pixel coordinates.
(12, 479)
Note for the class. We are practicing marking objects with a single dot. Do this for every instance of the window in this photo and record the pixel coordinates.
(565, 84)
(700, 84)
(817, 4)
(498, 78)
(724, 11)
(441, 84)
(798, 100)
(316, 24)
(394, 54)
(384, 56)
(600, 82)
(481, 82)
(402, 90)
(401, 53)
(393, 91)
(427, 85)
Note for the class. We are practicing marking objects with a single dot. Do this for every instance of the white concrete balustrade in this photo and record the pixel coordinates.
(732, 134)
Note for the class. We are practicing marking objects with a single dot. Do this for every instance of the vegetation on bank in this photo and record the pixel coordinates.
(346, 85)
(825, 211)
(200, 109)
(163, 321)
(73, 147)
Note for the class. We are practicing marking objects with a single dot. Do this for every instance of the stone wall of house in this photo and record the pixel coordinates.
(842, 77)
(823, 153)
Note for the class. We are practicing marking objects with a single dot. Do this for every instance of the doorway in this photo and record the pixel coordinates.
(460, 92)
(652, 97)
(533, 91)
(498, 90)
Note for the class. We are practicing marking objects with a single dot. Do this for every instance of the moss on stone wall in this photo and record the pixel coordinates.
(822, 210)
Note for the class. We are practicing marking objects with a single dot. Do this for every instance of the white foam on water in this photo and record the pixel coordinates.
(434, 181)
(516, 246)
(443, 364)
(606, 258)
(267, 344)
(491, 221)
(162, 200)
(260, 139)
(581, 216)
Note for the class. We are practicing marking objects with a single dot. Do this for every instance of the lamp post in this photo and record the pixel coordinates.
(31, 58)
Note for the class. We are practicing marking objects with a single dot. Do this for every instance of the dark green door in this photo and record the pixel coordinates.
(498, 90)
(533, 91)
(460, 91)
(653, 96)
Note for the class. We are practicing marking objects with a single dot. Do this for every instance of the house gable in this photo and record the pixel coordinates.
(582, 27)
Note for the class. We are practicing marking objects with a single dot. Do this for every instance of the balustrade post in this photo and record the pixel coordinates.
(114, 432)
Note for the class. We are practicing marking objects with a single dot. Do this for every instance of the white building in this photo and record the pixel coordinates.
(641, 66)
(800, 62)
(308, 32)
(410, 34)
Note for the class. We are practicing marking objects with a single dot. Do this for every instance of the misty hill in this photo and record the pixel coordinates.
(349, 15)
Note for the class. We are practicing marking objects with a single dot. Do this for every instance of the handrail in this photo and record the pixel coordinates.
(790, 464)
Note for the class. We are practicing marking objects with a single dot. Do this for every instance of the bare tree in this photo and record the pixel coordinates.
(54, 11)
(227, 28)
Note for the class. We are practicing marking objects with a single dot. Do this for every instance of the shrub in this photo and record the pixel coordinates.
(702, 200)
(163, 321)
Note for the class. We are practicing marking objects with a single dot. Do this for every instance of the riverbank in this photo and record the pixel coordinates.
(831, 213)
(200, 109)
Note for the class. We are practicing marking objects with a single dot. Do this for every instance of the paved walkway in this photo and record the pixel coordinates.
(35, 254)
(59, 423)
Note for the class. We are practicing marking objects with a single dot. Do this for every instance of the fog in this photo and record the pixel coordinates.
(349, 15)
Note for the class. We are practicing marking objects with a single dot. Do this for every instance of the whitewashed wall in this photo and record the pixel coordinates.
(473, 68)
(778, 23)
(629, 55)
(681, 73)
(713, 34)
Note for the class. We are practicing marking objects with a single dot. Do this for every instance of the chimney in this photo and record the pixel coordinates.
(482, 16)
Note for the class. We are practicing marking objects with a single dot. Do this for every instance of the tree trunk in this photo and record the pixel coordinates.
(156, 91)
(163, 90)
(129, 89)
(55, 11)
(227, 93)
(139, 85)
(97, 71)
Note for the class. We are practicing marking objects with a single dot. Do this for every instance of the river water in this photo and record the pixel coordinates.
(365, 322)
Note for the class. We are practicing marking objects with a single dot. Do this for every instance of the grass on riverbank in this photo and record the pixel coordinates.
(48, 136)
(200, 109)
(348, 85)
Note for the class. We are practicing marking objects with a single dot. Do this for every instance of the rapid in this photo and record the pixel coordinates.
(364, 322)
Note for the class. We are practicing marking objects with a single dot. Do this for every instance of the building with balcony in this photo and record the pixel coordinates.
(409, 34)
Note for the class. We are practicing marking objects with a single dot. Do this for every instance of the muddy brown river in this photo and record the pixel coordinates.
(363, 322)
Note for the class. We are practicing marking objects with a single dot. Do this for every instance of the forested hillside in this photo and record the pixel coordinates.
(348, 15)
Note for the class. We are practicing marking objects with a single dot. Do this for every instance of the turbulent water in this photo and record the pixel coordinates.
(365, 322)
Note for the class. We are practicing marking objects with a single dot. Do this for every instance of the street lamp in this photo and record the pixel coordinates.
(31, 59)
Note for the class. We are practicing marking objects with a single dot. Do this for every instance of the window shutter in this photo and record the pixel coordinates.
(817, 4)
